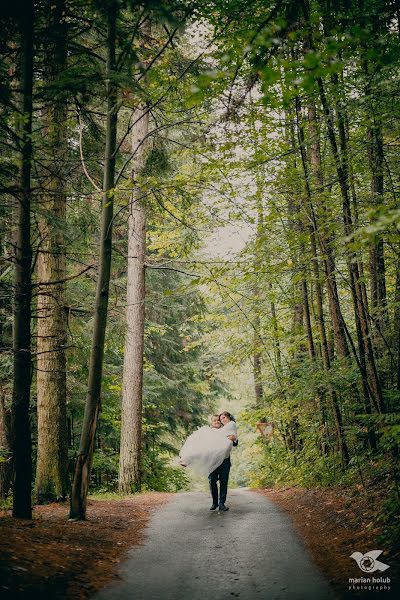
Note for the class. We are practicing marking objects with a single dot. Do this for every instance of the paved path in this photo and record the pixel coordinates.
(190, 553)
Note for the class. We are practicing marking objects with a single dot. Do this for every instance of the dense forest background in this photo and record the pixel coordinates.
(199, 210)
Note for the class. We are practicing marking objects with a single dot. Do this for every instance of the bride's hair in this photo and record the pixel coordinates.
(228, 414)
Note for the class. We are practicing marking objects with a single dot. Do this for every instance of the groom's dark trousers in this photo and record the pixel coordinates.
(221, 473)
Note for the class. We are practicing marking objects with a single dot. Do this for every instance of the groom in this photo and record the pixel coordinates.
(221, 473)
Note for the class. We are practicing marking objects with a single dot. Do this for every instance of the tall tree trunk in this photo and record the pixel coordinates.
(376, 161)
(257, 373)
(295, 226)
(323, 235)
(83, 464)
(276, 342)
(257, 355)
(376, 252)
(356, 292)
(367, 358)
(21, 431)
(307, 318)
(356, 224)
(5, 448)
(6, 346)
(131, 418)
(52, 453)
(396, 325)
(359, 309)
(318, 177)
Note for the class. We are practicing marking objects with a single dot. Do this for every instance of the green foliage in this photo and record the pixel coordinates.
(4, 455)
(390, 520)
(6, 504)
(159, 476)
(157, 160)
(105, 469)
(307, 467)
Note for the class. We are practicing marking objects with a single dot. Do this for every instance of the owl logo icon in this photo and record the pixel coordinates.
(368, 563)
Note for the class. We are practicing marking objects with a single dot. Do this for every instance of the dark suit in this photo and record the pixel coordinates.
(220, 474)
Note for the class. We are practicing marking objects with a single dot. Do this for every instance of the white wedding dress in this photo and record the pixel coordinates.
(206, 448)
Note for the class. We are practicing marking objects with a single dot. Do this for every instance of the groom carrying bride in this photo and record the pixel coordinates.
(208, 451)
(221, 473)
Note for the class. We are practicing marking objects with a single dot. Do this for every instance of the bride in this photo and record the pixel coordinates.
(206, 448)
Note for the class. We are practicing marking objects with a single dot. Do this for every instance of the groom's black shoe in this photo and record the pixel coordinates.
(223, 507)
(214, 506)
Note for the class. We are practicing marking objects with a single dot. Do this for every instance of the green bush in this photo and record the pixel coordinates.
(159, 476)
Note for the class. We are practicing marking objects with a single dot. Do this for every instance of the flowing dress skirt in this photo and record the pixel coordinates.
(205, 450)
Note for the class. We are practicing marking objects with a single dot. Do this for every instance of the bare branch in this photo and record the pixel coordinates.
(96, 187)
(56, 282)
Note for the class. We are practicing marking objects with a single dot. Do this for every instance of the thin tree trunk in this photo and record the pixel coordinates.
(257, 355)
(376, 252)
(320, 232)
(356, 225)
(5, 448)
(52, 453)
(276, 343)
(131, 418)
(295, 226)
(359, 309)
(360, 314)
(367, 358)
(396, 324)
(257, 363)
(21, 431)
(6, 345)
(315, 161)
(83, 464)
(376, 160)
(307, 318)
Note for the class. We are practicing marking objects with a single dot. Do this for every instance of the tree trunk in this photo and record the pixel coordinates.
(355, 287)
(364, 341)
(5, 448)
(131, 418)
(307, 318)
(396, 325)
(295, 226)
(83, 464)
(376, 252)
(367, 357)
(372, 392)
(257, 356)
(6, 346)
(356, 225)
(321, 232)
(21, 431)
(276, 342)
(376, 160)
(52, 453)
(315, 162)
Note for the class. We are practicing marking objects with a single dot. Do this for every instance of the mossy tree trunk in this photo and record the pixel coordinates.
(52, 454)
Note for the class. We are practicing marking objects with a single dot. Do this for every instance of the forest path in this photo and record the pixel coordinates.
(191, 553)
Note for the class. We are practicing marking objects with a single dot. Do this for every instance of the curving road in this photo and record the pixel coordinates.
(250, 552)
